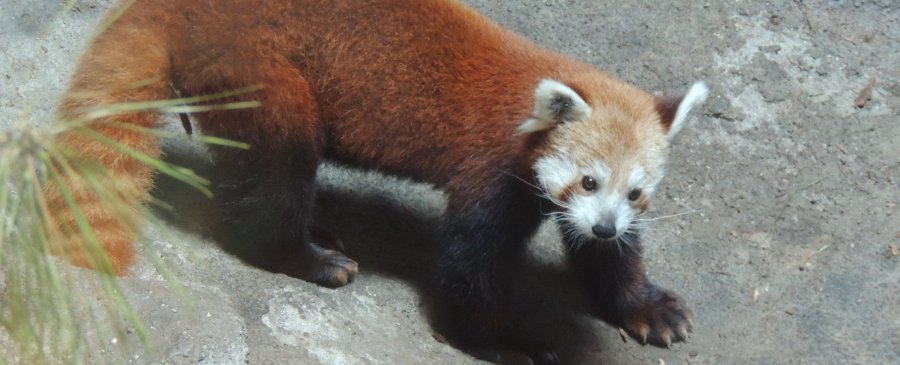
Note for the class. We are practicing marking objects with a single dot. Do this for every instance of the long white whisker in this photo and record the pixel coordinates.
(619, 246)
(546, 195)
(540, 192)
(521, 179)
(663, 217)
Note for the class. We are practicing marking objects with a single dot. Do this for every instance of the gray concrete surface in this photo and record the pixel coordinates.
(779, 186)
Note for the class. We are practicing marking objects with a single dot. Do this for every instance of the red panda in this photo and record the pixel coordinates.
(424, 89)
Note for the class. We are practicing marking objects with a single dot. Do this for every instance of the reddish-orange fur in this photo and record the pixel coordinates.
(427, 89)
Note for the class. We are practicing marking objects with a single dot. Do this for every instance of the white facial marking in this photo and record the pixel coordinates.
(607, 206)
(637, 178)
(624, 213)
(600, 171)
(555, 173)
(583, 211)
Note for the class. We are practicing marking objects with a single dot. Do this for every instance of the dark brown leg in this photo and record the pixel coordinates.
(483, 241)
(270, 189)
(612, 275)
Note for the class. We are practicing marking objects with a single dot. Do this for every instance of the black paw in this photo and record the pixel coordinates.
(534, 356)
(660, 319)
(330, 268)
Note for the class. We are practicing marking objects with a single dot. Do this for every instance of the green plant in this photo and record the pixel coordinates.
(41, 311)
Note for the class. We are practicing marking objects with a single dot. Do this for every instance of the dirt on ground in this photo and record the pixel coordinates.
(776, 221)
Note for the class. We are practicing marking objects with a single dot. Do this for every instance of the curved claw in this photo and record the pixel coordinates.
(534, 355)
(660, 319)
(683, 333)
(506, 357)
(548, 357)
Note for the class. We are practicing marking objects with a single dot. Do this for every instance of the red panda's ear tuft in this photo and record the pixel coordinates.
(554, 103)
(673, 111)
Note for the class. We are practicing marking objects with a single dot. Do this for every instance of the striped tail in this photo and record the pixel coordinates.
(92, 211)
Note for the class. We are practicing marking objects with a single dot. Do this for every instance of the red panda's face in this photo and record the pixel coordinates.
(602, 161)
(602, 175)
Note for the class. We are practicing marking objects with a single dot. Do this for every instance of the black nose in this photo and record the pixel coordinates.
(604, 232)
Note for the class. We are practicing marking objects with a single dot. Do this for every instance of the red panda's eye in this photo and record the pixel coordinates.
(588, 183)
(634, 194)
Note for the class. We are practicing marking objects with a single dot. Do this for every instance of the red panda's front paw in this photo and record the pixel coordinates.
(661, 318)
(534, 356)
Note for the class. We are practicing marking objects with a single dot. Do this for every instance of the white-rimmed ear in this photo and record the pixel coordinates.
(554, 103)
(673, 111)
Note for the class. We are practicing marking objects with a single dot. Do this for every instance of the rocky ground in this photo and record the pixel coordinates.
(777, 214)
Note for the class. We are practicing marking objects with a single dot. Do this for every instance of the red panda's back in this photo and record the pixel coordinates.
(400, 83)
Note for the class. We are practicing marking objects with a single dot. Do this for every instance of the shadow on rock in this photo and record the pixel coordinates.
(387, 238)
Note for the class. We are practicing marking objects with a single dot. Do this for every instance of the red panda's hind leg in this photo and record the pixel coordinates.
(266, 203)
(269, 190)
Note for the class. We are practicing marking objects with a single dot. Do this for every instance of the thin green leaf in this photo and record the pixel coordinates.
(176, 105)
(111, 19)
(91, 243)
(167, 134)
(206, 108)
(182, 174)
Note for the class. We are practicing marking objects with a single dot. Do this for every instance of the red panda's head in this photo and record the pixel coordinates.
(604, 153)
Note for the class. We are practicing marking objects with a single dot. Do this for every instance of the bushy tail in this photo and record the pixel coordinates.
(96, 183)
